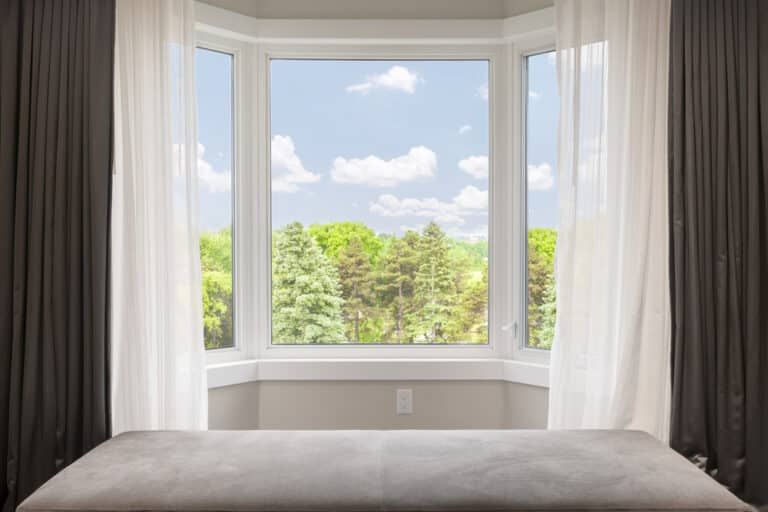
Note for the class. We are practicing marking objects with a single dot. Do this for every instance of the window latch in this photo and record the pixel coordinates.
(510, 327)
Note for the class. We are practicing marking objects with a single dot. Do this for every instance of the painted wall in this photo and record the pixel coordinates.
(371, 405)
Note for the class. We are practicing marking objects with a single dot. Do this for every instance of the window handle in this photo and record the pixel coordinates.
(510, 327)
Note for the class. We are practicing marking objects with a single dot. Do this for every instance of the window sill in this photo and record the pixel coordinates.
(254, 370)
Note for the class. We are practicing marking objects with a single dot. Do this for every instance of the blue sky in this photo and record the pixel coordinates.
(393, 144)
(541, 140)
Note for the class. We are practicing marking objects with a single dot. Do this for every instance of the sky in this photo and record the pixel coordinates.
(392, 144)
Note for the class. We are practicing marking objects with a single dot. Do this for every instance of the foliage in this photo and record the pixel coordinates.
(469, 314)
(541, 287)
(216, 266)
(334, 237)
(306, 296)
(406, 289)
(434, 288)
(395, 283)
(355, 275)
(341, 283)
(472, 254)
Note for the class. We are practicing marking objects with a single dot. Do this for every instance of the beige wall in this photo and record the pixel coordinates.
(371, 405)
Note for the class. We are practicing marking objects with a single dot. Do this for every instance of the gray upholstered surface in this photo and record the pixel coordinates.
(479, 470)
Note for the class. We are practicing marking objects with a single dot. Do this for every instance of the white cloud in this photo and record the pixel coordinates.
(388, 205)
(397, 78)
(287, 170)
(470, 198)
(476, 166)
(540, 177)
(470, 201)
(420, 162)
(534, 95)
(482, 91)
(464, 129)
(209, 179)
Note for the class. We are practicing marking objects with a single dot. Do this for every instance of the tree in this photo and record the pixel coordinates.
(306, 297)
(355, 277)
(396, 277)
(548, 311)
(541, 286)
(469, 318)
(216, 250)
(216, 266)
(434, 288)
(473, 255)
(335, 236)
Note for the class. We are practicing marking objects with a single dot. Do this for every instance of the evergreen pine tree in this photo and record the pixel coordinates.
(396, 281)
(306, 297)
(355, 277)
(434, 288)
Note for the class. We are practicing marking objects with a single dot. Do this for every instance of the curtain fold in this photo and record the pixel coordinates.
(158, 358)
(56, 64)
(718, 149)
(610, 356)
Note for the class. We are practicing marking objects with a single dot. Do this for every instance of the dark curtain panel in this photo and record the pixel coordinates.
(718, 149)
(56, 59)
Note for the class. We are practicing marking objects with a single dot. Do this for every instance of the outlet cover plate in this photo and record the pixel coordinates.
(404, 398)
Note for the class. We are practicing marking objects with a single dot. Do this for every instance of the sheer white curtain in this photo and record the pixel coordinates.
(610, 359)
(158, 359)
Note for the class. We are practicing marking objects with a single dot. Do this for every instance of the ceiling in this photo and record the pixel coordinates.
(381, 9)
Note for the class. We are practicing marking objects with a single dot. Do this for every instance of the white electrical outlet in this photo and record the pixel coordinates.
(404, 399)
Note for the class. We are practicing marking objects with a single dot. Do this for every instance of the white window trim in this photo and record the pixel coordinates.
(241, 158)
(501, 269)
(254, 42)
(524, 46)
(257, 370)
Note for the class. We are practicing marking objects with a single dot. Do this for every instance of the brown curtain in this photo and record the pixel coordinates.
(718, 149)
(56, 60)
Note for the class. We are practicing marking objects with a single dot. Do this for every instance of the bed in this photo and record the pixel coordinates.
(399, 471)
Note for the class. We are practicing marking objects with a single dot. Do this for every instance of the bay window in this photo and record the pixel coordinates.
(378, 200)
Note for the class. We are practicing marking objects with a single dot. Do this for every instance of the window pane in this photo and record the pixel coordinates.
(214, 81)
(541, 139)
(379, 183)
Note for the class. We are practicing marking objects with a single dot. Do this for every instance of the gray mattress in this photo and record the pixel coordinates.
(404, 471)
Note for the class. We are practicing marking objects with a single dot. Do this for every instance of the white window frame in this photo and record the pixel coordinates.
(254, 43)
(239, 50)
(531, 44)
(501, 310)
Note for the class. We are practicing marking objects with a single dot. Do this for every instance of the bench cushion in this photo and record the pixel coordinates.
(308, 471)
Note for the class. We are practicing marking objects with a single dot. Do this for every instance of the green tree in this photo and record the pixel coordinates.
(306, 297)
(470, 256)
(335, 236)
(395, 281)
(469, 318)
(548, 311)
(541, 286)
(216, 266)
(434, 288)
(355, 276)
